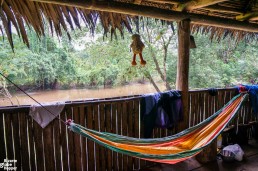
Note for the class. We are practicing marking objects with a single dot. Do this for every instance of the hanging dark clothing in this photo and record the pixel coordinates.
(253, 93)
(162, 110)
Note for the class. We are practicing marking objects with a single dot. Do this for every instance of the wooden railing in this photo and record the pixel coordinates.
(57, 148)
(203, 105)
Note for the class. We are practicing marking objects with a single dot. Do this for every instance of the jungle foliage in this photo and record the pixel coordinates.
(89, 61)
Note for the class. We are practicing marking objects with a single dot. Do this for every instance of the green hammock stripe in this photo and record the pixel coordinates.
(136, 141)
(147, 141)
(76, 129)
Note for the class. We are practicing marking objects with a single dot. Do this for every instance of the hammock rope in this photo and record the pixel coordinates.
(171, 149)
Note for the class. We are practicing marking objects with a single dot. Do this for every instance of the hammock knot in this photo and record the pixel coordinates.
(242, 89)
(68, 122)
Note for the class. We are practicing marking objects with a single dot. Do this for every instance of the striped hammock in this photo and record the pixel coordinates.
(171, 149)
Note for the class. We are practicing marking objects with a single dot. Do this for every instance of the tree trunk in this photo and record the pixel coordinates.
(153, 83)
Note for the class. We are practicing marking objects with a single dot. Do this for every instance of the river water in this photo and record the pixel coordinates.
(77, 94)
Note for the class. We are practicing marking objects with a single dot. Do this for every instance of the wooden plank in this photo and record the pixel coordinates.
(130, 118)
(16, 137)
(114, 130)
(49, 147)
(228, 97)
(9, 137)
(136, 114)
(83, 139)
(143, 163)
(217, 103)
(247, 115)
(108, 129)
(220, 99)
(206, 105)
(125, 132)
(102, 150)
(155, 133)
(70, 136)
(249, 112)
(192, 113)
(190, 108)
(31, 142)
(130, 129)
(198, 109)
(38, 133)
(114, 117)
(213, 102)
(164, 132)
(203, 107)
(195, 109)
(57, 144)
(3, 154)
(90, 143)
(76, 139)
(119, 131)
(63, 141)
(210, 105)
(97, 127)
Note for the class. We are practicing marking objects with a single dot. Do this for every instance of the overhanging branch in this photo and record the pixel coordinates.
(137, 10)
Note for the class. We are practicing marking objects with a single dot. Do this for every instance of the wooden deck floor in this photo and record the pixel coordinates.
(250, 163)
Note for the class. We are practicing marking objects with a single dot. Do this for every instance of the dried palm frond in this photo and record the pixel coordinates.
(20, 13)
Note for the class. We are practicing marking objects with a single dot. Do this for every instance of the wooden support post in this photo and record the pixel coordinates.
(183, 67)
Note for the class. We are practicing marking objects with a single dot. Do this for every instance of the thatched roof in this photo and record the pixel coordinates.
(238, 18)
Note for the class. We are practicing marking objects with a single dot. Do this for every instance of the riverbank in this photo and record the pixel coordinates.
(78, 94)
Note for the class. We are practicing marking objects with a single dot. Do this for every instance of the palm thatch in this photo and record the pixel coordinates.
(220, 18)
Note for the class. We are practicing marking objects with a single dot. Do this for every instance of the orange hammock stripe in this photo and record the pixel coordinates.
(170, 149)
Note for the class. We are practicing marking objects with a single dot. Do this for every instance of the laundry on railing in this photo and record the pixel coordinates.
(42, 116)
(162, 110)
(253, 93)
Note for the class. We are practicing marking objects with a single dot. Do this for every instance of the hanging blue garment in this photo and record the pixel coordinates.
(162, 110)
(253, 93)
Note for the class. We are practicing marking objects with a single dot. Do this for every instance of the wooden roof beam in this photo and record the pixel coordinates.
(194, 4)
(165, 1)
(253, 18)
(137, 2)
(217, 8)
(247, 16)
(152, 12)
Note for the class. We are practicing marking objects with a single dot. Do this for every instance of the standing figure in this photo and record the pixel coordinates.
(137, 47)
